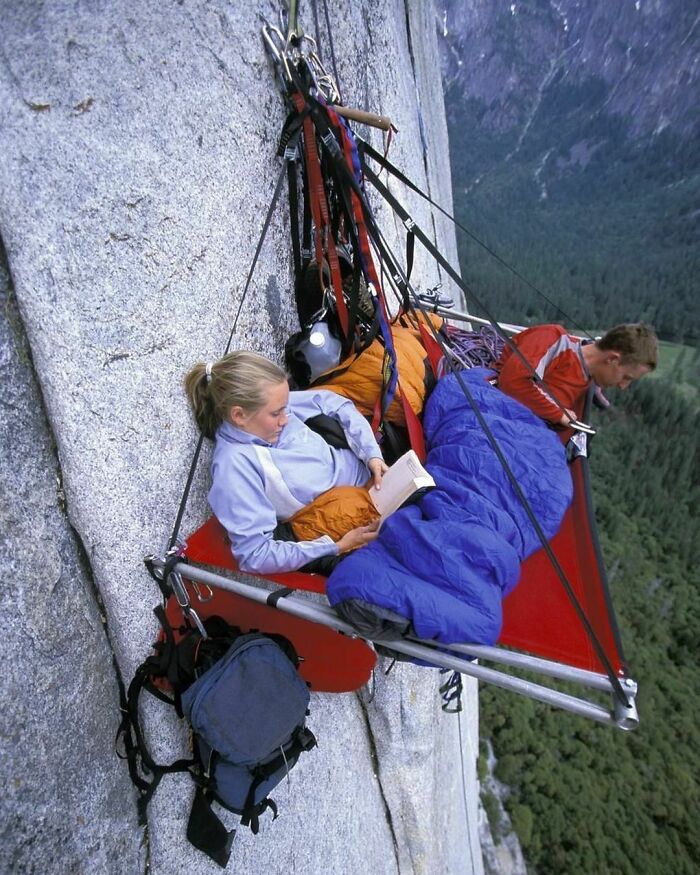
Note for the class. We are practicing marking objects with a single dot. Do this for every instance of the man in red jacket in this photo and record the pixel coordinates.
(554, 369)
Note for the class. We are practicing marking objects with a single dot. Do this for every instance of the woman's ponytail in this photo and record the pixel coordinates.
(237, 380)
(198, 389)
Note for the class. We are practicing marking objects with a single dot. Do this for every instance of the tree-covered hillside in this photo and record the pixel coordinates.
(608, 227)
(588, 800)
(606, 223)
(575, 157)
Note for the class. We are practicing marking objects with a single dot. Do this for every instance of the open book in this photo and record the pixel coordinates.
(405, 478)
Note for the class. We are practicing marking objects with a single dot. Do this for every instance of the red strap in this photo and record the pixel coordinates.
(321, 215)
(320, 209)
(432, 347)
(415, 429)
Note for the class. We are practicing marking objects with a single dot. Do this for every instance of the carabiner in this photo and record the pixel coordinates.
(277, 50)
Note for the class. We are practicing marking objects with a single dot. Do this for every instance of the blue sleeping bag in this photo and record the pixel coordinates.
(444, 564)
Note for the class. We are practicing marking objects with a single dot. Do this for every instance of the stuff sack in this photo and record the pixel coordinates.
(247, 706)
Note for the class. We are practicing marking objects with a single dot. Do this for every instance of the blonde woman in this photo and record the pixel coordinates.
(268, 464)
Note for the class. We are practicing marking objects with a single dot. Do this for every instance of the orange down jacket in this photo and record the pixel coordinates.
(361, 382)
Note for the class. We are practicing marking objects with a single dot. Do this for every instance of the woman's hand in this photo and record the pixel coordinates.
(378, 468)
(358, 537)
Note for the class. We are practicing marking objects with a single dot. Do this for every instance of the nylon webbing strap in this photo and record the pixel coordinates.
(411, 225)
(344, 159)
(278, 594)
(358, 213)
(366, 228)
(294, 220)
(321, 214)
(195, 458)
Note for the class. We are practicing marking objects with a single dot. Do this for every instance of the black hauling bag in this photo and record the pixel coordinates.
(247, 706)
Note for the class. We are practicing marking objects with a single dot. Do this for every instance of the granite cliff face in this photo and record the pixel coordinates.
(641, 55)
(137, 161)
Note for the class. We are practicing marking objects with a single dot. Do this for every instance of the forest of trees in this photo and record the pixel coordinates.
(587, 799)
(609, 230)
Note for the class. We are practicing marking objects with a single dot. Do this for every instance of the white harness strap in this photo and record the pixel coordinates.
(276, 489)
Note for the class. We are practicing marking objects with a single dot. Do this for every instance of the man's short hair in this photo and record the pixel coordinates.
(636, 342)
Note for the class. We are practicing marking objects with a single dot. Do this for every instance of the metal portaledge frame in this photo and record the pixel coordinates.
(451, 656)
(516, 659)
(466, 317)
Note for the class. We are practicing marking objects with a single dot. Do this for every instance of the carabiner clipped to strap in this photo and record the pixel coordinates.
(180, 592)
(170, 582)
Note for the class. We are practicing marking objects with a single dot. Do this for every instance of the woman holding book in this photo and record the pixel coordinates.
(269, 466)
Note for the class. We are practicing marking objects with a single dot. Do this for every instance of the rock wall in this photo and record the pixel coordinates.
(137, 161)
(620, 52)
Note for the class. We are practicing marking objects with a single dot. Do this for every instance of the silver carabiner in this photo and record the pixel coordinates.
(277, 49)
(198, 590)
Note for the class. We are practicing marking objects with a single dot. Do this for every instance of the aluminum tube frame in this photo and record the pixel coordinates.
(506, 326)
(543, 666)
(622, 717)
(465, 317)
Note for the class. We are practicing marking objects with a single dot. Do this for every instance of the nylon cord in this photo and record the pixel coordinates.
(195, 458)
(464, 791)
(330, 45)
(390, 168)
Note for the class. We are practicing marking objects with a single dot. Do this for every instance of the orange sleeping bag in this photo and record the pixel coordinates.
(334, 513)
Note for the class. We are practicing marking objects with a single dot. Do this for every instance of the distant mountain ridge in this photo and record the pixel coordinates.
(575, 147)
(644, 52)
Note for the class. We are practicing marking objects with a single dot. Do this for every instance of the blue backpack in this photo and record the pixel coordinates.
(247, 706)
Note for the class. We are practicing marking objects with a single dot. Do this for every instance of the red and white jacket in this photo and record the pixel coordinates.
(557, 359)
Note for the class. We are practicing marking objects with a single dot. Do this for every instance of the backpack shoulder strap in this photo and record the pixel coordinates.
(206, 831)
(139, 760)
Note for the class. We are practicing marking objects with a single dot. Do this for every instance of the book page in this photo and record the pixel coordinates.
(405, 477)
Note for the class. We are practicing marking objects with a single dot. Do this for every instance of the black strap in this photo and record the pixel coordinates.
(136, 752)
(278, 594)
(251, 817)
(440, 258)
(597, 646)
(410, 251)
(294, 220)
(387, 165)
(451, 692)
(303, 740)
(206, 832)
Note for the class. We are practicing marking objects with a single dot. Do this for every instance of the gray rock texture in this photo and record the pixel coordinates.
(64, 791)
(137, 160)
(617, 52)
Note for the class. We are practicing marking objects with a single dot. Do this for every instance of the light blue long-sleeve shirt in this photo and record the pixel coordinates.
(255, 484)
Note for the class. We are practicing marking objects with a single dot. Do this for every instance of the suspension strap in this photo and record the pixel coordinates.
(350, 170)
(346, 163)
(597, 646)
(325, 244)
(411, 225)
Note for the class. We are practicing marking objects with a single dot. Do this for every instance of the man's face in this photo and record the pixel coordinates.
(611, 373)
